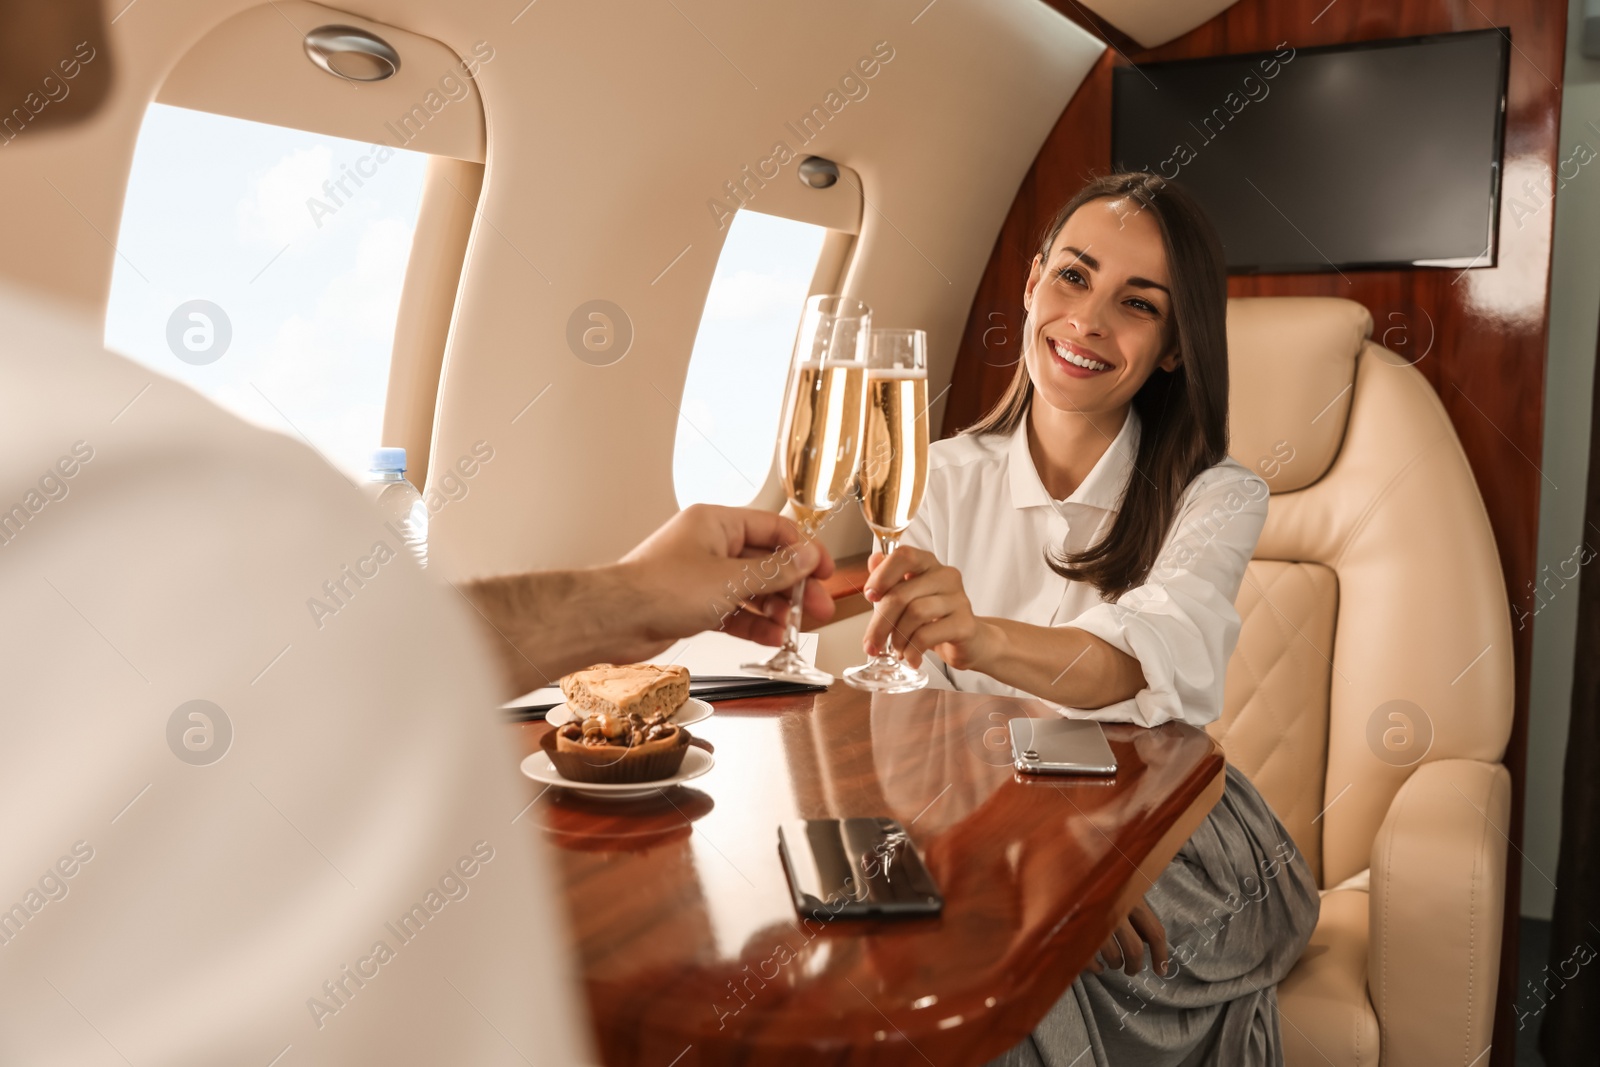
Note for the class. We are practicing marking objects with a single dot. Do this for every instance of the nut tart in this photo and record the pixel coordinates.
(648, 751)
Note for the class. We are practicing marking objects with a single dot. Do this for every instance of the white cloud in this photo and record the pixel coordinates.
(274, 211)
(328, 369)
(749, 294)
(367, 296)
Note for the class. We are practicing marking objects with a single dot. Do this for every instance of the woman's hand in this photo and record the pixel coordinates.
(1125, 947)
(922, 607)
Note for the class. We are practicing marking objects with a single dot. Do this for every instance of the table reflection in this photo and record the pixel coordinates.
(940, 755)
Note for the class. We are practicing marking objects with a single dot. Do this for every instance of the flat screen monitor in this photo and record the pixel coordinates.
(1378, 154)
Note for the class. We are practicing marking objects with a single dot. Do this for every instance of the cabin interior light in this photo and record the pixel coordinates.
(818, 173)
(351, 53)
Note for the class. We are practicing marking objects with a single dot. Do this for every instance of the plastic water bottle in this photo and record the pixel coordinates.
(399, 500)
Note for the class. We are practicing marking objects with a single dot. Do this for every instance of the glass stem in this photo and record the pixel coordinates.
(888, 543)
(791, 633)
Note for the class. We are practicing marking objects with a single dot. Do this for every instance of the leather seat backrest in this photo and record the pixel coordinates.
(1376, 631)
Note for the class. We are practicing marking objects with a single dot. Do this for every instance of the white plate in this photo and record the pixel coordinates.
(693, 710)
(696, 762)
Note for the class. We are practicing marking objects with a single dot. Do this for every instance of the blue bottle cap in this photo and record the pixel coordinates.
(389, 459)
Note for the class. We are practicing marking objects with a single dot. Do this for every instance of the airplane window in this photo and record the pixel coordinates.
(263, 266)
(728, 421)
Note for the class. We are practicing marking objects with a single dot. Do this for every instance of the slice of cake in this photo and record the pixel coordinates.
(612, 692)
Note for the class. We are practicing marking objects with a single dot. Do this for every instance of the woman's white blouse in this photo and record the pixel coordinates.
(987, 514)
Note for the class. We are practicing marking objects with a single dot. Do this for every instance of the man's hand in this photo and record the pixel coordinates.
(732, 569)
(1125, 947)
(708, 568)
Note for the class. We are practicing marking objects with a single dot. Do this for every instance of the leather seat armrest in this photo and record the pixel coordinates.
(1438, 892)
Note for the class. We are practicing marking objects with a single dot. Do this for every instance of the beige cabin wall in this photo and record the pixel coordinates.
(610, 126)
(595, 202)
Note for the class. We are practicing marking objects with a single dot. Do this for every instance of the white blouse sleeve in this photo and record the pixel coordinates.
(1181, 624)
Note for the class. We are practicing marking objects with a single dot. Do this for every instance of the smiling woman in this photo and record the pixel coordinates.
(1107, 462)
(1165, 345)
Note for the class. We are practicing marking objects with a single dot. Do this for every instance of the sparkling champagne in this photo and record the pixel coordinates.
(823, 437)
(894, 461)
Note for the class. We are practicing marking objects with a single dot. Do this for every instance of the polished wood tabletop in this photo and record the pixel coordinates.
(692, 952)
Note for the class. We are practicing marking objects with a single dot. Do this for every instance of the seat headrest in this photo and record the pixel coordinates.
(1291, 372)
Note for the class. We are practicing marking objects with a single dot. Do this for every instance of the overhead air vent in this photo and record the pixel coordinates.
(352, 54)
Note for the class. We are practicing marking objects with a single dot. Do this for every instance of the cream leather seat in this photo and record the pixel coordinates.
(1370, 696)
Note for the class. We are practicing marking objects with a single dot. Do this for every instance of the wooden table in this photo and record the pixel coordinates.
(692, 952)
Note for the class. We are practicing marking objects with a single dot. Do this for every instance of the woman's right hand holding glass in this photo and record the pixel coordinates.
(921, 606)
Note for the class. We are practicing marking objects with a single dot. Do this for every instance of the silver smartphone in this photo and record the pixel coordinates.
(1060, 746)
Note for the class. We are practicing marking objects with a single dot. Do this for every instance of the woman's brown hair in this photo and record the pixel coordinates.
(1183, 413)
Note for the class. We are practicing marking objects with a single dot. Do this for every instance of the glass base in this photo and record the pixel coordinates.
(884, 674)
(789, 666)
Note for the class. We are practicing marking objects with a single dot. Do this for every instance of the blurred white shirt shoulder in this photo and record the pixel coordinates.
(987, 513)
(238, 830)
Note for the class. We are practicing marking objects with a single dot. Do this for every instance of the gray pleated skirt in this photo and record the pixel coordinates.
(1239, 905)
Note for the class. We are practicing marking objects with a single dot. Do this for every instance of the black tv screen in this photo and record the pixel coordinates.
(1379, 154)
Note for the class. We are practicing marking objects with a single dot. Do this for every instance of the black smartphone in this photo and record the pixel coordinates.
(855, 869)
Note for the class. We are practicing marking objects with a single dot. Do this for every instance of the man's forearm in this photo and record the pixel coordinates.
(706, 568)
(543, 625)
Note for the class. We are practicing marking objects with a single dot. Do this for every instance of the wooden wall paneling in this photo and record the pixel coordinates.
(1478, 335)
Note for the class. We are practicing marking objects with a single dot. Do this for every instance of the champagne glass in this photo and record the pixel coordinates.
(894, 473)
(819, 442)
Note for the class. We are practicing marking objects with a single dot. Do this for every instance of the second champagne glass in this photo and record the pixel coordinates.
(894, 473)
(819, 442)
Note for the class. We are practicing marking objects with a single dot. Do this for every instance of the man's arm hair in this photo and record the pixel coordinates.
(706, 568)
(543, 625)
